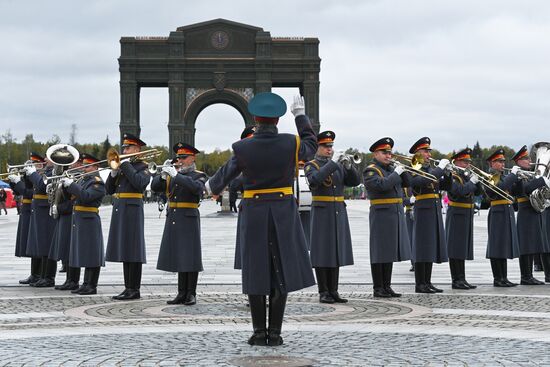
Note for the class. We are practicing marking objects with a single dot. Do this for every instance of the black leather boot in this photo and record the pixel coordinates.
(191, 295)
(420, 278)
(126, 273)
(386, 279)
(322, 283)
(377, 272)
(504, 272)
(35, 272)
(333, 285)
(49, 268)
(182, 290)
(526, 269)
(498, 280)
(462, 269)
(90, 278)
(545, 259)
(428, 278)
(277, 303)
(257, 311)
(457, 282)
(134, 282)
(73, 277)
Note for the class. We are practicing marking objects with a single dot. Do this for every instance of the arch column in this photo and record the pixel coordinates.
(310, 91)
(176, 128)
(129, 108)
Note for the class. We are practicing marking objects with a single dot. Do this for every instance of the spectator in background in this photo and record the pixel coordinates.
(3, 198)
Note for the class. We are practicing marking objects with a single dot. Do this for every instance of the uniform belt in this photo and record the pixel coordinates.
(128, 195)
(27, 201)
(501, 202)
(182, 204)
(427, 196)
(80, 208)
(253, 194)
(328, 198)
(40, 197)
(522, 200)
(386, 201)
(461, 205)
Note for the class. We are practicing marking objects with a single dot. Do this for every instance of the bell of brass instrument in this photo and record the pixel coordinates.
(62, 156)
(540, 198)
(416, 162)
(352, 158)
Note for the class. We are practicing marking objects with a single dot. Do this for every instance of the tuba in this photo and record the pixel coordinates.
(62, 156)
(540, 198)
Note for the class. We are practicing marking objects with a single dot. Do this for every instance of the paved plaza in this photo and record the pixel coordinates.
(486, 326)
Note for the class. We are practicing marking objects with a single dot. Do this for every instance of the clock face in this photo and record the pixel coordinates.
(219, 40)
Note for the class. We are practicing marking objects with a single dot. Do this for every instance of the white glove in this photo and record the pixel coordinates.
(474, 179)
(29, 170)
(399, 169)
(170, 170)
(444, 164)
(412, 199)
(298, 108)
(114, 172)
(515, 170)
(547, 181)
(66, 182)
(14, 178)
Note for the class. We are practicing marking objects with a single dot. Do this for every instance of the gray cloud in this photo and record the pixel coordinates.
(458, 71)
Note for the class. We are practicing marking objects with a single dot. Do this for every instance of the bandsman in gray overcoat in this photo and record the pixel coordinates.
(274, 256)
(126, 241)
(428, 240)
(389, 237)
(330, 238)
(502, 240)
(41, 226)
(86, 250)
(21, 185)
(531, 226)
(459, 222)
(61, 242)
(180, 249)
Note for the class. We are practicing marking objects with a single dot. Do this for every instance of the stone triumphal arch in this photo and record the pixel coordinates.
(217, 61)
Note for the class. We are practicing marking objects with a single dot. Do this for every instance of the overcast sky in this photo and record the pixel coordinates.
(457, 71)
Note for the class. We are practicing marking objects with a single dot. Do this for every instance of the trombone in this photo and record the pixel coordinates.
(114, 158)
(415, 167)
(20, 168)
(487, 180)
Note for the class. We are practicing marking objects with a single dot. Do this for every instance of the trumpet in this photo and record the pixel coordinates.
(114, 158)
(156, 169)
(20, 168)
(352, 158)
(523, 174)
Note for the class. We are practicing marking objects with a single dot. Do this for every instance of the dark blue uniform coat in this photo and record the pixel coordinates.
(531, 224)
(23, 188)
(126, 241)
(330, 233)
(87, 248)
(180, 249)
(502, 240)
(272, 242)
(389, 237)
(459, 222)
(61, 241)
(428, 240)
(41, 225)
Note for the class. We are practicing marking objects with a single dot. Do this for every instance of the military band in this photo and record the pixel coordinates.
(405, 216)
